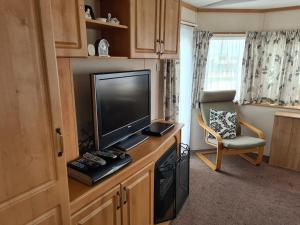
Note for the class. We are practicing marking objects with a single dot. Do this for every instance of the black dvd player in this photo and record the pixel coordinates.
(158, 129)
(90, 170)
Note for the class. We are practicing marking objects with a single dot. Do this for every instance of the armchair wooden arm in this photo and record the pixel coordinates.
(208, 129)
(257, 131)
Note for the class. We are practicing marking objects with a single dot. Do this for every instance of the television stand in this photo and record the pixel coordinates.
(131, 142)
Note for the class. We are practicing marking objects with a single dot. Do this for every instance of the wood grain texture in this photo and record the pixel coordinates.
(138, 202)
(68, 108)
(69, 28)
(285, 145)
(102, 211)
(169, 30)
(143, 154)
(96, 24)
(144, 26)
(33, 186)
(121, 9)
(288, 114)
(295, 107)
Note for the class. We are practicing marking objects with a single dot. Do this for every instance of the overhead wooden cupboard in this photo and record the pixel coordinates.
(150, 29)
(153, 28)
(69, 28)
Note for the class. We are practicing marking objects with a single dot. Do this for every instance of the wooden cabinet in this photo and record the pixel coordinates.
(285, 146)
(33, 174)
(104, 211)
(144, 27)
(69, 28)
(153, 28)
(169, 28)
(137, 198)
(129, 203)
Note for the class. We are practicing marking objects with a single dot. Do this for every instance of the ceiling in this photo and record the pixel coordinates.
(258, 4)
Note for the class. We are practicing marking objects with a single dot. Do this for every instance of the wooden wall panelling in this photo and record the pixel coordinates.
(68, 108)
(169, 32)
(69, 28)
(33, 186)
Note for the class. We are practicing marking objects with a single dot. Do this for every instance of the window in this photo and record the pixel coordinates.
(224, 63)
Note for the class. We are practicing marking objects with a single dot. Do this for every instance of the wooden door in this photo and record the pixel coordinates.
(33, 186)
(69, 28)
(137, 198)
(105, 210)
(169, 28)
(144, 28)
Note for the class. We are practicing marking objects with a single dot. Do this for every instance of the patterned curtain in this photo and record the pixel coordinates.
(271, 68)
(170, 69)
(201, 45)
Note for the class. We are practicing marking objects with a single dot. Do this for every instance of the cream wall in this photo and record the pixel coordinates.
(286, 20)
(259, 116)
(188, 15)
(230, 22)
(83, 67)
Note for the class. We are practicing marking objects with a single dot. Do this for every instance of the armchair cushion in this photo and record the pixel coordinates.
(224, 123)
(218, 100)
(240, 142)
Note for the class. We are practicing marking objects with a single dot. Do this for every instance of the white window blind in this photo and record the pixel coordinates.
(224, 63)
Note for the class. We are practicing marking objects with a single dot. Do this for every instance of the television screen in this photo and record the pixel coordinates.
(121, 104)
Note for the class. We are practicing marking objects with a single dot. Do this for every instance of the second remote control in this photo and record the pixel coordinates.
(94, 158)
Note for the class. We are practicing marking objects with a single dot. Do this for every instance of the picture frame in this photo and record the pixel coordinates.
(89, 12)
(102, 48)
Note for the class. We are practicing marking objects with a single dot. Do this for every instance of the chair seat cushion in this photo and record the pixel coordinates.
(240, 142)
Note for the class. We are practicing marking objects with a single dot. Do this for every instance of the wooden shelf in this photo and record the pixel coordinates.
(99, 24)
(107, 58)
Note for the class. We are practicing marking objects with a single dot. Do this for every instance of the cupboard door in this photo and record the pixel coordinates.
(68, 108)
(169, 30)
(285, 150)
(103, 211)
(137, 198)
(33, 186)
(69, 28)
(33, 175)
(144, 28)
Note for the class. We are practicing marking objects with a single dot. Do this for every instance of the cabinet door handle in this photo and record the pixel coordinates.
(162, 47)
(118, 200)
(124, 197)
(158, 47)
(60, 142)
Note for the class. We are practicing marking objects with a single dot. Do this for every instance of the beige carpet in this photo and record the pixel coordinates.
(242, 194)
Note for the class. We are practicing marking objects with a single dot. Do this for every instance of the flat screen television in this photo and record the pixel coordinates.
(121, 102)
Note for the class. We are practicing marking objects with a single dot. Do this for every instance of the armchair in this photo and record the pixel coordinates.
(241, 145)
